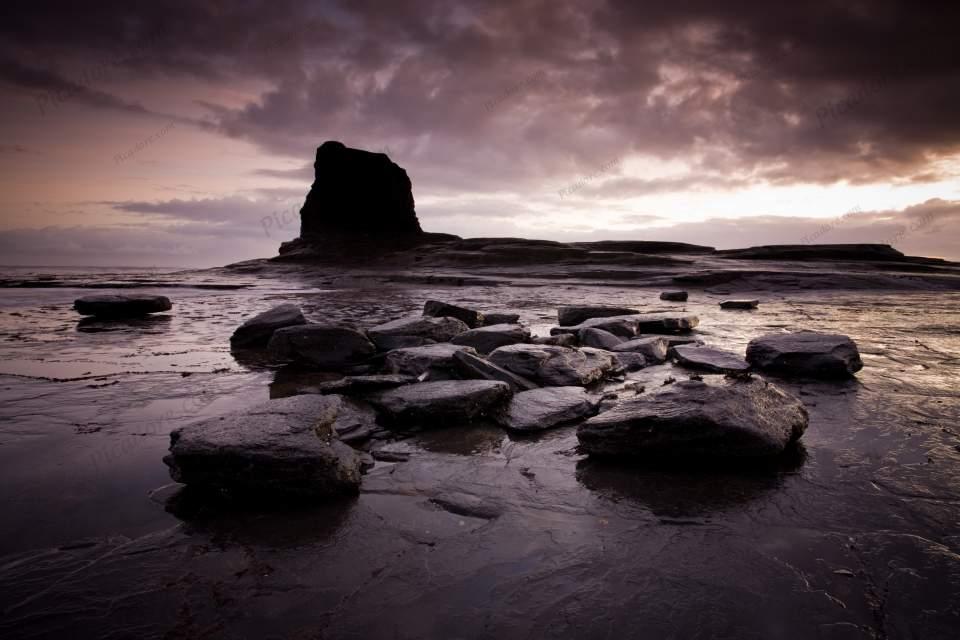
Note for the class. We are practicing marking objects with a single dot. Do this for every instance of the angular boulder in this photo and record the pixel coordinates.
(696, 420)
(416, 328)
(552, 365)
(545, 408)
(598, 338)
(569, 316)
(121, 306)
(805, 354)
(282, 448)
(710, 360)
(473, 367)
(653, 348)
(415, 361)
(486, 339)
(325, 346)
(446, 401)
(257, 331)
(437, 309)
(674, 296)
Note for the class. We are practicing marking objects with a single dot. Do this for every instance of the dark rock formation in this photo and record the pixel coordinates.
(554, 366)
(653, 348)
(121, 306)
(815, 252)
(257, 331)
(674, 296)
(569, 316)
(441, 403)
(324, 346)
(545, 408)
(598, 338)
(739, 304)
(697, 420)
(486, 339)
(424, 329)
(437, 309)
(473, 367)
(433, 358)
(805, 354)
(357, 192)
(707, 359)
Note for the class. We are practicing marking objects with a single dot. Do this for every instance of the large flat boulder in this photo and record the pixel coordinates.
(415, 361)
(694, 420)
(416, 329)
(257, 331)
(805, 354)
(443, 402)
(486, 339)
(121, 306)
(710, 360)
(571, 315)
(321, 345)
(554, 366)
(548, 407)
(472, 367)
(437, 309)
(284, 448)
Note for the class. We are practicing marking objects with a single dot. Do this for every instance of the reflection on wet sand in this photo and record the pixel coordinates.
(146, 324)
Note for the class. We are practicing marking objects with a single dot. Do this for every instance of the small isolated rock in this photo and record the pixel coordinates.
(486, 339)
(439, 309)
(739, 304)
(473, 367)
(424, 328)
(805, 354)
(698, 420)
(324, 346)
(707, 359)
(568, 316)
(415, 361)
(598, 338)
(121, 306)
(545, 408)
(257, 331)
(653, 348)
(674, 296)
(282, 448)
(500, 318)
(554, 366)
(441, 402)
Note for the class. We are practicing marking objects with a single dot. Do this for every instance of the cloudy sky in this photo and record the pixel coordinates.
(183, 133)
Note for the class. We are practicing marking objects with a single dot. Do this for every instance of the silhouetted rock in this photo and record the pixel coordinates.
(569, 316)
(357, 192)
(805, 354)
(444, 402)
(282, 448)
(739, 304)
(324, 346)
(437, 309)
(674, 296)
(707, 359)
(644, 246)
(257, 331)
(698, 420)
(815, 252)
(545, 408)
(486, 339)
(121, 306)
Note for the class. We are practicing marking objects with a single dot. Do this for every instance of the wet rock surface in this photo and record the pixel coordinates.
(441, 403)
(694, 420)
(653, 348)
(257, 331)
(121, 306)
(707, 359)
(598, 338)
(416, 361)
(568, 316)
(324, 346)
(546, 408)
(806, 353)
(416, 329)
(552, 365)
(438, 309)
(285, 449)
(486, 339)
(471, 366)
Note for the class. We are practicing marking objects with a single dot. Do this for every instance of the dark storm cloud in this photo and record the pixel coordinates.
(529, 95)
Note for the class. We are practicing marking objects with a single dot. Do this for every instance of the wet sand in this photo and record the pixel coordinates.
(479, 533)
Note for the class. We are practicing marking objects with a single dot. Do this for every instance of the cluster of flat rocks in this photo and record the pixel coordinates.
(451, 365)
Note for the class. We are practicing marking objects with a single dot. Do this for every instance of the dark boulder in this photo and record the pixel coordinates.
(472, 367)
(443, 402)
(437, 309)
(121, 306)
(710, 360)
(674, 296)
(486, 339)
(257, 331)
(568, 316)
(545, 408)
(739, 304)
(324, 346)
(805, 354)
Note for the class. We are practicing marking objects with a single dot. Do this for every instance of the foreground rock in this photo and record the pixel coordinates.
(545, 408)
(554, 366)
(653, 348)
(257, 331)
(707, 359)
(567, 316)
(439, 309)
(121, 306)
(444, 402)
(323, 346)
(486, 339)
(473, 367)
(674, 296)
(283, 448)
(805, 354)
(415, 361)
(416, 330)
(739, 304)
(694, 420)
